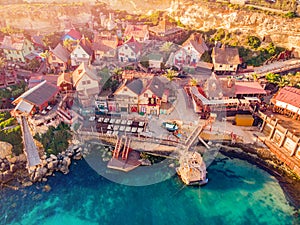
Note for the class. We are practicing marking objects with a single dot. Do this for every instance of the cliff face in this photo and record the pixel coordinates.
(283, 32)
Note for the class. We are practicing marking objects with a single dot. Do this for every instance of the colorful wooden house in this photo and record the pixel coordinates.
(127, 96)
(16, 48)
(86, 83)
(36, 99)
(226, 60)
(194, 47)
(153, 96)
(59, 59)
(130, 51)
(81, 53)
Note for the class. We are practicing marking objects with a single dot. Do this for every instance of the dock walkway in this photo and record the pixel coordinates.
(30, 149)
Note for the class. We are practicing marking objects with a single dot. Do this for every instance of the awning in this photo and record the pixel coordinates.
(252, 99)
(24, 106)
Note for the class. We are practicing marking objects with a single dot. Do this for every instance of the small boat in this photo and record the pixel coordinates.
(170, 126)
(192, 169)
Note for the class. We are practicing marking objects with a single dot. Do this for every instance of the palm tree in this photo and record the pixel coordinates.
(283, 81)
(167, 46)
(193, 82)
(293, 79)
(170, 74)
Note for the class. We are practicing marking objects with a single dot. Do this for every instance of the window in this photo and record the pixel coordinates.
(53, 57)
(75, 55)
(83, 82)
(30, 49)
(88, 82)
(231, 66)
(125, 89)
(221, 65)
(146, 95)
(20, 59)
(126, 47)
(84, 55)
(79, 71)
(131, 53)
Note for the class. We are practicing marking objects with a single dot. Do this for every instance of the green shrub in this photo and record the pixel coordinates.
(253, 42)
(55, 140)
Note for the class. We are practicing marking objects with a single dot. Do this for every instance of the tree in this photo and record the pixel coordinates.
(166, 47)
(290, 15)
(193, 82)
(293, 79)
(170, 74)
(68, 43)
(253, 42)
(273, 78)
(206, 57)
(283, 81)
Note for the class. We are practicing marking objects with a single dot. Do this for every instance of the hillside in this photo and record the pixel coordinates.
(203, 15)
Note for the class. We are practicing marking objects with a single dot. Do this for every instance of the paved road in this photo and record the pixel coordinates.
(278, 66)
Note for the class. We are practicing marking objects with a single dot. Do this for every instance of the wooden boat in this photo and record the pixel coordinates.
(192, 169)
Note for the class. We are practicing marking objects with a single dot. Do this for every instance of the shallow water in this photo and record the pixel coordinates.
(237, 193)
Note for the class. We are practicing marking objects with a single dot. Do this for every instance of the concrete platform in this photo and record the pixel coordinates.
(125, 165)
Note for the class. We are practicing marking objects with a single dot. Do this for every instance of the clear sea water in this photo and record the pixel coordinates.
(237, 193)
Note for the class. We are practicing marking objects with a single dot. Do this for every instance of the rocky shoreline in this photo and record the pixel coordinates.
(14, 174)
(267, 161)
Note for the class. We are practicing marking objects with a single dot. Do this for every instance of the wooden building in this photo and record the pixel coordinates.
(287, 102)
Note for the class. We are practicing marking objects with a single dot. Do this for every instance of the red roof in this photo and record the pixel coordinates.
(74, 34)
(248, 88)
(289, 95)
(134, 45)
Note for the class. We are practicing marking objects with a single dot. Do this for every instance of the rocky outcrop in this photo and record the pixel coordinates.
(5, 149)
(53, 163)
(205, 16)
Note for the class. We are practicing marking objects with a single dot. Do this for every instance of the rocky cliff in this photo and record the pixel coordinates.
(205, 16)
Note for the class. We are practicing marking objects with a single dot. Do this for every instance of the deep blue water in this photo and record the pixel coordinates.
(237, 193)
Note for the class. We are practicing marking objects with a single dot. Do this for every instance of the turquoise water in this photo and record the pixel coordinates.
(237, 193)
